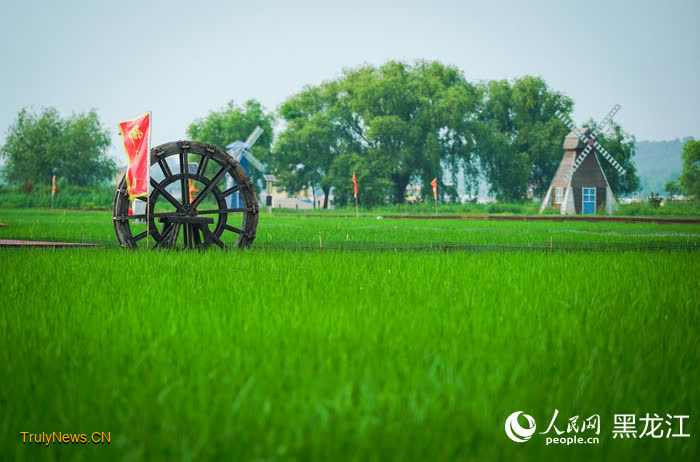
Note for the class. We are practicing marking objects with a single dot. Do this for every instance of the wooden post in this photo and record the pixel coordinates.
(148, 182)
(357, 213)
(148, 216)
(320, 242)
(268, 187)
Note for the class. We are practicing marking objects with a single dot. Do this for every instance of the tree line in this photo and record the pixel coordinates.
(404, 124)
(41, 145)
(394, 125)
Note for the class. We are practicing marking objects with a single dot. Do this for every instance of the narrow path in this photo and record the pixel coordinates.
(17, 243)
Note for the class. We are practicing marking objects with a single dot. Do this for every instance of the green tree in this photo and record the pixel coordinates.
(85, 143)
(372, 189)
(41, 145)
(673, 188)
(313, 138)
(519, 137)
(690, 176)
(410, 120)
(622, 147)
(232, 123)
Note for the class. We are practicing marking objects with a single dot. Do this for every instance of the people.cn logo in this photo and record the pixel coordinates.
(516, 432)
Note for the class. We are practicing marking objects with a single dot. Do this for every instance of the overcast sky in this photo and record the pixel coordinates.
(181, 59)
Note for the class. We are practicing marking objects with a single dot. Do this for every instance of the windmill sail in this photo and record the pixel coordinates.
(241, 149)
(253, 137)
(604, 123)
(581, 158)
(609, 158)
(590, 141)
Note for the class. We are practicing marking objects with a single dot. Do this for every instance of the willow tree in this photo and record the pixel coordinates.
(312, 140)
(519, 137)
(410, 120)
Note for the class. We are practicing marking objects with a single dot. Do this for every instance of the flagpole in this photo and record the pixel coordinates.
(434, 185)
(354, 187)
(148, 184)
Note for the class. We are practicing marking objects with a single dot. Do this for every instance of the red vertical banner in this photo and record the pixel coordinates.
(136, 136)
(193, 190)
(354, 183)
(53, 186)
(434, 185)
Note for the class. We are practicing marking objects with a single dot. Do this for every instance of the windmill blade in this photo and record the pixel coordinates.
(236, 149)
(604, 123)
(252, 160)
(253, 137)
(564, 118)
(609, 158)
(570, 125)
(579, 160)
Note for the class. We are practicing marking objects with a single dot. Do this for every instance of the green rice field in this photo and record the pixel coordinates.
(350, 352)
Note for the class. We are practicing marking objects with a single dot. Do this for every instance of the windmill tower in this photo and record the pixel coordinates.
(580, 185)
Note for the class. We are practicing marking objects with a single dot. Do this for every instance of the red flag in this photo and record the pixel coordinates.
(53, 186)
(354, 182)
(192, 191)
(434, 184)
(136, 136)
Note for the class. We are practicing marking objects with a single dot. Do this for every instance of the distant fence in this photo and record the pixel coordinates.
(508, 218)
(551, 218)
(462, 247)
(355, 246)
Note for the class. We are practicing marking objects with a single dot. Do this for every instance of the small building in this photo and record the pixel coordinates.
(586, 190)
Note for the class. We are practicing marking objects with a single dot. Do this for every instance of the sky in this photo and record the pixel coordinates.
(182, 59)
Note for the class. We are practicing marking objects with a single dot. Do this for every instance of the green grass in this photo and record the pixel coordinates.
(68, 196)
(97, 227)
(679, 209)
(274, 355)
(101, 198)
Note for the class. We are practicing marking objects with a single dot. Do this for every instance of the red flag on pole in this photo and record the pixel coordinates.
(192, 191)
(136, 136)
(53, 186)
(434, 184)
(354, 182)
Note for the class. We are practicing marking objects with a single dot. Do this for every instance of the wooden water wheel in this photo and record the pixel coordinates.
(190, 198)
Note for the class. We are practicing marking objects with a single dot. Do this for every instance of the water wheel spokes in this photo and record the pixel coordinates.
(190, 204)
